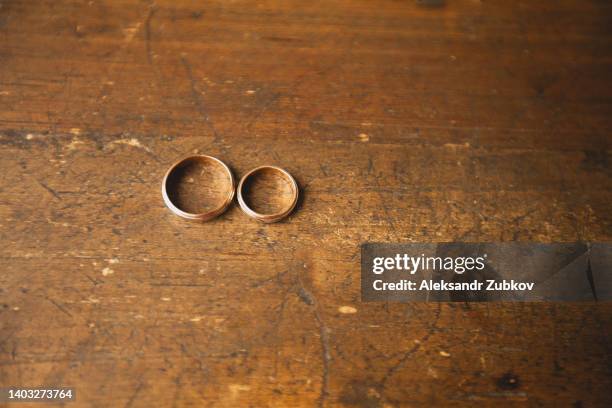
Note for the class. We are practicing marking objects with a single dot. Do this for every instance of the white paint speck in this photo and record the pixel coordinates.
(74, 144)
(456, 145)
(166, 299)
(107, 271)
(250, 92)
(444, 354)
(347, 309)
(131, 142)
(113, 261)
(373, 393)
(432, 373)
(234, 389)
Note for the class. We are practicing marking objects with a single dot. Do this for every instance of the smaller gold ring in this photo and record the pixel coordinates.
(277, 216)
(205, 216)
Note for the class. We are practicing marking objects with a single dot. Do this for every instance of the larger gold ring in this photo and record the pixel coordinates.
(274, 217)
(204, 216)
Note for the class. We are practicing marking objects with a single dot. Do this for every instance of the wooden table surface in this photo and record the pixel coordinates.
(403, 121)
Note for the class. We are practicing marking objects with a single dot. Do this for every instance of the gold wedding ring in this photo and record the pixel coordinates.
(174, 172)
(274, 217)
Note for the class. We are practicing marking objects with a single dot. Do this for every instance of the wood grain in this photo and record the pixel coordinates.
(401, 121)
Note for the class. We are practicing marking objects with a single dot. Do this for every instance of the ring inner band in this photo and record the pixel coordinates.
(198, 187)
(261, 197)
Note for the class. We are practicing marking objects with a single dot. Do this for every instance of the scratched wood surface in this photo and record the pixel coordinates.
(402, 121)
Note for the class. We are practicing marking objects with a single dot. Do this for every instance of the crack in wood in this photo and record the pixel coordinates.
(309, 299)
